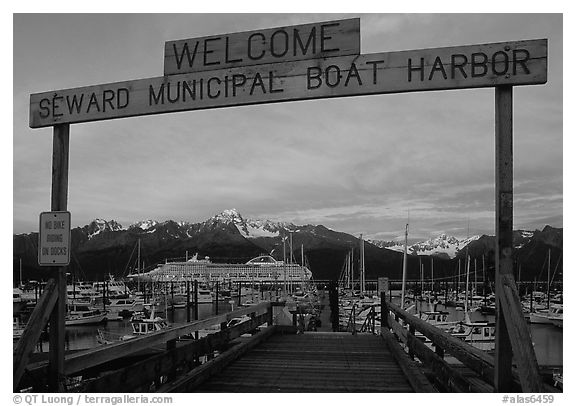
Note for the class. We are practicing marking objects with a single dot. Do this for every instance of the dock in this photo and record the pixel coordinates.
(269, 353)
(314, 362)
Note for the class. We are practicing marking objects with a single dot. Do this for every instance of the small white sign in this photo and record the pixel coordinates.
(382, 285)
(54, 238)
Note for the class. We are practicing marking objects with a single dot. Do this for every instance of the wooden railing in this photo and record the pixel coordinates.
(146, 363)
(481, 363)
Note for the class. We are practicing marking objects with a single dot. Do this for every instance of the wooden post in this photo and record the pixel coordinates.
(354, 319)
(59, 202)
(510, 325)
(411, 332)
(188, 301)
(196, 305)
(504, 245)
(104, 294)
(172, 298)
(239, 293)
(532, 298)
(217, 298)
(383, 311)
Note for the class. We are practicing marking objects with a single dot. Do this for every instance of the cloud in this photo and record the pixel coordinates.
(354, 164)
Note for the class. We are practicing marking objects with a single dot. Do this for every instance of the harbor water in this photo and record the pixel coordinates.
(547, 339)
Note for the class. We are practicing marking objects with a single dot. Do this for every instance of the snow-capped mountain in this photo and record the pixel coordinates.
(98, 226)
(106, 247)
(251, 228)
(443, 245)
(144, 225)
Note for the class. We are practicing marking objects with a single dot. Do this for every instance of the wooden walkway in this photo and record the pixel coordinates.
(318, 362)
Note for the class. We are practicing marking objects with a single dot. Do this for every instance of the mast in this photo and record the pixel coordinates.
(302, 258)
(284, 263)
(362, 270)
(548, 290)
(352, 268)
(432, 282)
(484, 284)
(21, 284)
(291, 248)
(475, 278)
(466, 289)
(348, 274)
(404, 268)
(484, 276)
(138, 288)
(458, 285)
(421, 269)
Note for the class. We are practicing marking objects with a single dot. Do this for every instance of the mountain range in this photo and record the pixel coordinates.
(106, 247)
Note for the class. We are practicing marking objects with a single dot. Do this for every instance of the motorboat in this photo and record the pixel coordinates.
(437, 319)
(204, 295)
(478, 334)
(547, 316)
(126, 305)
(82, 315)
(115, 289)
(141, 325)
(17, 328)
(556, 315)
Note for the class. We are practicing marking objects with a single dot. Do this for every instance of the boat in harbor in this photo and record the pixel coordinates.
(81, 291)
(125, 305)
(204, 295)
(141, 325)
(480, 334)
(17, 328)
(263, 268)
(18, 303)
(540, 317)
(437, 319)
(556, 315)
(115, 289)
(83, 315)
(548, 316)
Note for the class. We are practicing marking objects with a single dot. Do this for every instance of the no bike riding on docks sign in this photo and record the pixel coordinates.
(54, 238)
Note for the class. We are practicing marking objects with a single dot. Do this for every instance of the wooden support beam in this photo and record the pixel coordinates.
(478, 361)
(451, 379)
(415, 377)
(99, 355)
(139, 376)
(33, 330)
(199, 375)
(519, 333)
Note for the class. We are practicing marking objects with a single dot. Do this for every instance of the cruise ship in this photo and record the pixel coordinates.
(262, 269)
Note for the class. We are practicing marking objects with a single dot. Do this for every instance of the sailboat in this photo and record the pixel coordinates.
(542, 316)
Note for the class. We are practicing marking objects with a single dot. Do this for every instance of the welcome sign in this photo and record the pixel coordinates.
(216, 74)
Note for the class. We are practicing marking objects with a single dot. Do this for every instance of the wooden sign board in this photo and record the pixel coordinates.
(54, 238)
(293, 43)
(473, 66)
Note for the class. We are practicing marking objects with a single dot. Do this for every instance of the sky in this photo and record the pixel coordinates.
(361, 165)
